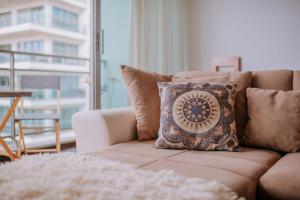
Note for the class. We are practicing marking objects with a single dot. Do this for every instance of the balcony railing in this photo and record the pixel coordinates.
(75, 29)
(75, 83)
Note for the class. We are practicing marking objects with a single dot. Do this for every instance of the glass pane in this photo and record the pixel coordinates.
(4, 85)
(65, 19)
(115, 37)
(5, 19)
(56, 46)
(31, 15)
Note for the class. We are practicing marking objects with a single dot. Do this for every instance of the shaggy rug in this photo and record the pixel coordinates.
(68, 176)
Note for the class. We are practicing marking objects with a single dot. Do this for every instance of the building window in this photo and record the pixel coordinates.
(7, 129)
(64, 19)
(65, 49)
(5, 19)
(4, 82)
(30, 46)
(70, 87)
(3, 56)
(31, 15)
(66, 116)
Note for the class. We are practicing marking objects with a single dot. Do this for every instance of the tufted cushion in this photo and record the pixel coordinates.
(143, 90)
(197, 116)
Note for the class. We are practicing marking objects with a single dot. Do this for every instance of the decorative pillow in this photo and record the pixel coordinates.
(274, 119)
(197, 116)
(242, 81)
(143, 90)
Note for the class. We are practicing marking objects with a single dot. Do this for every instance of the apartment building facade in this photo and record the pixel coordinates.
(58, 27)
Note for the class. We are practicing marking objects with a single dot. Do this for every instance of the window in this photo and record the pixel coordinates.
(31, 15)
(7, 129)
(66, 116)
(65, 19)
(4, 82)
(70, 86)
(5, 19)
(4, 57)
(30, 46)
(65, 49)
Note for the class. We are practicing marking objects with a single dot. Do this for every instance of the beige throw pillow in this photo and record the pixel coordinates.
(274, 119)
(198, 116)
(143, 90)
(242, 81)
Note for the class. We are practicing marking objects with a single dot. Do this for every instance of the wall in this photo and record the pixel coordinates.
(265, 33)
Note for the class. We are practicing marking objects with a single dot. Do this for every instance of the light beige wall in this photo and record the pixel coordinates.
(265, 33)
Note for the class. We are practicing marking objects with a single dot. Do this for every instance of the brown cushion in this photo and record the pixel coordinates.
(273, 79)
(238, 170)
(274, 117)
(282, 181)
(143, 90)
(243, 81)
(197, 116)
(296, 80)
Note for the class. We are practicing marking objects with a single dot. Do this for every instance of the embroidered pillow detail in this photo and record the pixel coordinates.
(198, 116)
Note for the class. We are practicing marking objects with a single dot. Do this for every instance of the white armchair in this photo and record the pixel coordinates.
(97, 129)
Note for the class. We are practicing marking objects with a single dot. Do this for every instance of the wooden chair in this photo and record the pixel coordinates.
(233, 62)
(39, 82)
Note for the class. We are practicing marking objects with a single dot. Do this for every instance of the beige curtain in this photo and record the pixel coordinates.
(158, 35)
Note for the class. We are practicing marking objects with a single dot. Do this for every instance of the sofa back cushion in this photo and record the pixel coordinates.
(143, 90)
(296, 80)
(273, 79)
(274, 119)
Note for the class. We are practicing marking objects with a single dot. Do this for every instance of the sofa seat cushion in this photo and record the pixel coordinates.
(238, 170)
(123, 157)
(243, 186)
(282, 181)
(145, 149)
(244, 166)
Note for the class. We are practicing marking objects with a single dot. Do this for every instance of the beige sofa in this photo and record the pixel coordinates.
(253, 173)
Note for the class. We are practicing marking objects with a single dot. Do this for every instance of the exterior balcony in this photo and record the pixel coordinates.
(75, 92)
(32, 28)
(45, 66)
(79, 4)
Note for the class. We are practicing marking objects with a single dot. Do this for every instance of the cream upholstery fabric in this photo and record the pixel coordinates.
(98, 129)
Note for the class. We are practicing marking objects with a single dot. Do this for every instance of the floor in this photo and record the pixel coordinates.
(71, 147)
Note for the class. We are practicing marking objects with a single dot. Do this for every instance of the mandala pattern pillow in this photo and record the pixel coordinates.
(198, 116)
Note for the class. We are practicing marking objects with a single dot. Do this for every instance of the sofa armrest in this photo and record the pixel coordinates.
(97, 129)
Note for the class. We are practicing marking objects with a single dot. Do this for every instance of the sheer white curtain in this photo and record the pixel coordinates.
(158, 35)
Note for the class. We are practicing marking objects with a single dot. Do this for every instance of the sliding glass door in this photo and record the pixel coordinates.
(114, 37)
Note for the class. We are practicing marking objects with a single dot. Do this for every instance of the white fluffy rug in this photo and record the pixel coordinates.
(68, 176)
